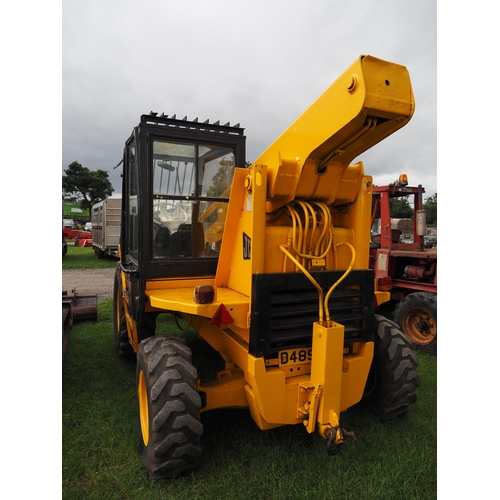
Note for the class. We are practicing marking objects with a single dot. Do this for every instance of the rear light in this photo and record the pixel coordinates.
(384, 283)
(221, 316)
(204, 294)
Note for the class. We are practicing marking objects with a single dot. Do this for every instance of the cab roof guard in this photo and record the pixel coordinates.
(153, 119)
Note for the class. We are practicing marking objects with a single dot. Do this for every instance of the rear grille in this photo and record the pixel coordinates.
(285, 306)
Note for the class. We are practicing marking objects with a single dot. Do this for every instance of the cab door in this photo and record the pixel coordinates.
(130, 227)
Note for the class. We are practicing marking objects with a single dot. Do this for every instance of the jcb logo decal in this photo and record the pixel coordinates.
(246, 247)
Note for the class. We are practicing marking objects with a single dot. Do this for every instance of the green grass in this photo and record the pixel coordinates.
(83, 258)
(396, 460)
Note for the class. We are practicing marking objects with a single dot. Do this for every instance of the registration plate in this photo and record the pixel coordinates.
(294, 357)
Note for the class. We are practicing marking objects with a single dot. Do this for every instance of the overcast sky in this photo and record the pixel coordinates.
(258, 63)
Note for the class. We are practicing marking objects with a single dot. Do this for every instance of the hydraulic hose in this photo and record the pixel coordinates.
(337, 283)
(311, 279)
(301, 235)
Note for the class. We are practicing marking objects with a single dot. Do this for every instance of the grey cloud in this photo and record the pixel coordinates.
(260, 64)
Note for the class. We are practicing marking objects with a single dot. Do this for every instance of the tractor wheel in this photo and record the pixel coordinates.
(393, 377)
(169, 407)
(416, 315)
(145, 328)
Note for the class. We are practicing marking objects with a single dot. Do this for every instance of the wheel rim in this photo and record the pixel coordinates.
(420, 326)
(142, 396)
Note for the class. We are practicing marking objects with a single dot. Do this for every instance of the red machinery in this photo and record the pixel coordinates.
(404, 266)
(82, 238)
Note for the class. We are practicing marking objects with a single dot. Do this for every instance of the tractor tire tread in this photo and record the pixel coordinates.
(396, 365)
(174, 406)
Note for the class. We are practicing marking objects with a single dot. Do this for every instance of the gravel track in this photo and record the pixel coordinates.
(89, 282)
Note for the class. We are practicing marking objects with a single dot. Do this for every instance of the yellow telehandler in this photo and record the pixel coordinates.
(269, 264)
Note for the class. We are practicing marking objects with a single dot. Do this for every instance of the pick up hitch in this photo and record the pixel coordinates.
(335, 436)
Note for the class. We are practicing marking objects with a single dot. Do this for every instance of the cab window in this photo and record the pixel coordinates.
(191, 185)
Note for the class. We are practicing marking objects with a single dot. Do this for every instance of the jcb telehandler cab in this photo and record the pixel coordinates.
(269, 264)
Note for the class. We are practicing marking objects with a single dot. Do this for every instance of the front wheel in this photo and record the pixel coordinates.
(416, 314)
(169, 407)
(393, 377)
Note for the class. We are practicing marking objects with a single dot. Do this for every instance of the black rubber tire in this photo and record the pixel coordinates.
(168, 406)
(98, 253)
(146, 328)
(393, 379)
(416, 315)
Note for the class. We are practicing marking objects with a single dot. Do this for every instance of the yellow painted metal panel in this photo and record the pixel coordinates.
(326, 367)
(182, 300)
(228, 391)
(356, 367)
(230, 244)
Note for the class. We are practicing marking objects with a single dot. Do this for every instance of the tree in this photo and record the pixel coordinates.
(401, 208)
(86, 186)
(221, 180)
(430, 207)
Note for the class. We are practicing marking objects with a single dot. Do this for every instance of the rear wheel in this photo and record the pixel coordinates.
(393, 378)
(169, 407)
(416, 314)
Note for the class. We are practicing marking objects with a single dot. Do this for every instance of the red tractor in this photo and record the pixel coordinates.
(404, 264)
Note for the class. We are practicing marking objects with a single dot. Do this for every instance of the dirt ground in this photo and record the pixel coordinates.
(89, 282)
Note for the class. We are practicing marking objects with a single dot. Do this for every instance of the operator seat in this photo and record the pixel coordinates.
(162, 241)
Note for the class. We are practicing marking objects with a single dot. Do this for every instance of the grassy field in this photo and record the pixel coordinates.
(396, 460)
(83, 258)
